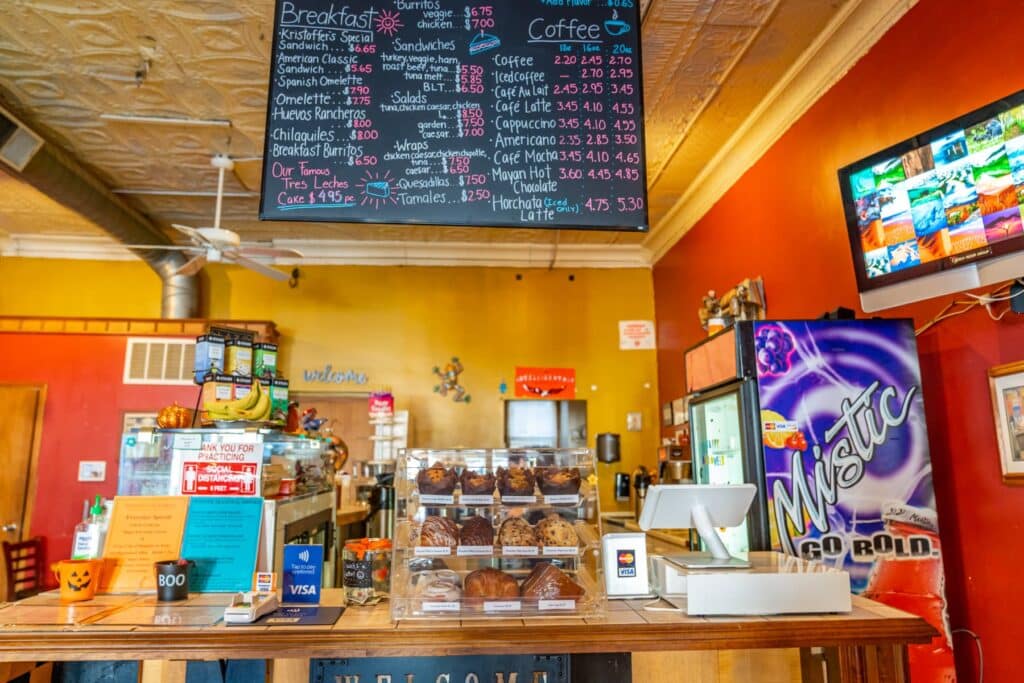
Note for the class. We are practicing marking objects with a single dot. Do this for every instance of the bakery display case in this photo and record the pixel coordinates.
(496, 533)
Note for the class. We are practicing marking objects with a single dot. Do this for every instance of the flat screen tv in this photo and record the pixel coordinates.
(941, 212)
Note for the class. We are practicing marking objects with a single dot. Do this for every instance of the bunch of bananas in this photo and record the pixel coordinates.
(254, 407)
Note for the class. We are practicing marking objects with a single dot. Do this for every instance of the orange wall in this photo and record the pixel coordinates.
(784, 220)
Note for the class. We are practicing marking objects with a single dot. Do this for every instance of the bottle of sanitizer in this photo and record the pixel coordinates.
(90, 534)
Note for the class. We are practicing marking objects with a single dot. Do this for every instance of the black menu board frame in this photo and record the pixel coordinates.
(625, 160)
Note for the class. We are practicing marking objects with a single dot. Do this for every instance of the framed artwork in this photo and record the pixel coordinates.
(138, 420)
(680, 411)
(666, 415)
(1007, 385)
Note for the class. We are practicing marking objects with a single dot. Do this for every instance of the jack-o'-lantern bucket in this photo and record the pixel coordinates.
(78, 579)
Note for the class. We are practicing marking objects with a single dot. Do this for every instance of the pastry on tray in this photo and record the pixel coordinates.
(436, 480)
(439, 532)
(554, 530)
(476, 531)
(437, 585)
(515, 481)
(548, 582)
(491, 584)
(477, 483)
(516, 531)
(554, 480)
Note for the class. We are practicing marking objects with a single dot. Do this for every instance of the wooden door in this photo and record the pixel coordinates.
(21, 421)
(347, 416)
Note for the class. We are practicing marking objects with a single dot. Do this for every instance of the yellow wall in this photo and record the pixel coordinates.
(394, 324)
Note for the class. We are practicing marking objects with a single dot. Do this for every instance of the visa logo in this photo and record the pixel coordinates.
(302, 589)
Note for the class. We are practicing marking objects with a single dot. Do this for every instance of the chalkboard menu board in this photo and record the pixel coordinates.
(524, 113)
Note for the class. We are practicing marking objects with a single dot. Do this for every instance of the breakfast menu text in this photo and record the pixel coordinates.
(522, 113)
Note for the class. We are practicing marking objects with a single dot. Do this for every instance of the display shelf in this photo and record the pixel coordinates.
(514, 521)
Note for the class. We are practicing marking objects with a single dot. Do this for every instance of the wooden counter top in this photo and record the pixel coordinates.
(369, 631)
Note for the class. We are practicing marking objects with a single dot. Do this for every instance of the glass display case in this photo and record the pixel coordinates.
(149, 458)
(496, 533)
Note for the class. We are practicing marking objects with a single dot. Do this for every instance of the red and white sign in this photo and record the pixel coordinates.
(636, 334)
(223, 469)
(545, 383)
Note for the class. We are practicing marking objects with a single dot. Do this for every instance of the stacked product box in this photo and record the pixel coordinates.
(230, 369)
(496, 533)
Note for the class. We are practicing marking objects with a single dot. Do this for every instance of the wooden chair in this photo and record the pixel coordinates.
(23, 562)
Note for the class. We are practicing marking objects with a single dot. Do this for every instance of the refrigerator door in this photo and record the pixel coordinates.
(717, 438)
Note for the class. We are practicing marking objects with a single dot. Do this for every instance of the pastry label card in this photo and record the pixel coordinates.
(560, 551)
(520, 550)
(502, 606)
(476, 500)
(546, 605)
(429, 606)
(474, 550)
(432, 551)
(563, 499)
(431, 499)
(519, 499)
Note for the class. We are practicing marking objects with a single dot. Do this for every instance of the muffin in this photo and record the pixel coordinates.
(516, 531)
(477, 484)
(490, 583)
(554, 481)
(436, 480)
(554, 530)
(548, 582)
(476, 531)
(515, 481)
(439, 532)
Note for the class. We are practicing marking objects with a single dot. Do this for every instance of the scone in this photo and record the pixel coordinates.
(477, 483)
(554, 530)
(490, 583)
(516, 531)
(476, 531)
(548, 582)
(515, 481)
(555, 481)
(437, 585)
(436, 480)
(439, 532)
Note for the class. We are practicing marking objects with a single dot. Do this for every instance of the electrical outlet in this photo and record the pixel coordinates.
(634, 422)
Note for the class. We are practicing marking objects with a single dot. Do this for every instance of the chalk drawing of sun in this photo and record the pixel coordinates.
(376, 189)
(388, 22)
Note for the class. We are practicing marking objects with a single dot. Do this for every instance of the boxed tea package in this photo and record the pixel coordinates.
(279, 400)
(264, 360)
(209, 356)
(238, 361)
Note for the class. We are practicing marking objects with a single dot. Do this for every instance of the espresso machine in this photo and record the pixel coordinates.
(675, 465)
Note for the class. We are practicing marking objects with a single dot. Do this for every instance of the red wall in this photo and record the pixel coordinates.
(85, 403)
(784, 220)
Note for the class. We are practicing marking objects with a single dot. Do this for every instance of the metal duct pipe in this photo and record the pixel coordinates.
(61, 178)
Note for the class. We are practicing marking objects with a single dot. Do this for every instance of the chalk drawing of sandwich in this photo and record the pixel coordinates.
(482, 43)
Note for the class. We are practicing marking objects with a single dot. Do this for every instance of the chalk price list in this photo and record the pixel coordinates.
(433, 111)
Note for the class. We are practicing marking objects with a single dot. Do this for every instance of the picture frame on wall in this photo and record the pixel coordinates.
(666, 415)
(680, 411)
(1006, 383)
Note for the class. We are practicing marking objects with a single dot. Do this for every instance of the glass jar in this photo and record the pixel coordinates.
(366, 567)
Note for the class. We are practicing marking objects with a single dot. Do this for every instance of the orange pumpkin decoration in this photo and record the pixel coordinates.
(174, 417)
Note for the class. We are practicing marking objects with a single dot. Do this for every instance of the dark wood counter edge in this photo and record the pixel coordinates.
(535, 638)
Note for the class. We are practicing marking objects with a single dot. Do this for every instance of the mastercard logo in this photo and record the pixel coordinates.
(626, 558)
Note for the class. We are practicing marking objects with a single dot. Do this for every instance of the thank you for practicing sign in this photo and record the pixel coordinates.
(302, 569)
(545, 383)
(230, 467)
(635, 335)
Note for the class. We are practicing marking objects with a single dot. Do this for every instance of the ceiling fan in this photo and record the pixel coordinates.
(219, 245)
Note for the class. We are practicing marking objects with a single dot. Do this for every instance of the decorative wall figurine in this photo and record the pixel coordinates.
(450, 381)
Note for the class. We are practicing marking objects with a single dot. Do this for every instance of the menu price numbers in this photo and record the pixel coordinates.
(479, 18)
(330, 197)
(598, 205)
(625, 4)
(581, 89)
(629, 204)
(360, 68)
(469, 179)
(620, 73)
(621, 89)
(363, 160)
(627, 157)
(574, 60)
(457, 165)
(624, 108)
(364, 48)
(471, 79)
(475, 195)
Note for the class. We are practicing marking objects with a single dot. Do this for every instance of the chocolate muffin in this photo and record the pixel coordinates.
(555, 481)
(554, 530)
(476, 531)
(439, 532)
(548, 582)
(515, 481)
(490, 584)
(436, 480)
(516, 531)
(477, 484)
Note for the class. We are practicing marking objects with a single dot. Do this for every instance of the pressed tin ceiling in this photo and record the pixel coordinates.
(708, 64)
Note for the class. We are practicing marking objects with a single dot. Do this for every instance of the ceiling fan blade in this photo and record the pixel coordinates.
(159, 247)
(256, 266)
(268, 251)
(193, 266)
(192, 234)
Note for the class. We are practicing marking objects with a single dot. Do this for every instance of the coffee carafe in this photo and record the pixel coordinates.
(641, 482)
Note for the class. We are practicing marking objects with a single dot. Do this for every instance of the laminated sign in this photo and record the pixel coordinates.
(847, 467)
(228, 468)
(545, 383)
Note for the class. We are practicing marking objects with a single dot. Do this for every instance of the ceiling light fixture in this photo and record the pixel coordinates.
(167, 120)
